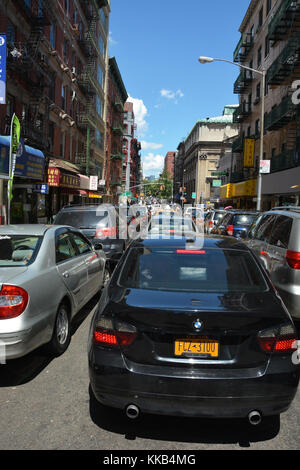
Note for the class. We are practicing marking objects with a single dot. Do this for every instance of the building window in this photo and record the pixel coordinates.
(257, 127)
(11, 33)
(260, 18)
(267, 46)
(100, 75)
(63, 97)
(101, 45)
(259, 57)
(99, 105)
(63, 144)
(268, 6)
(52, 35)
(258, 90)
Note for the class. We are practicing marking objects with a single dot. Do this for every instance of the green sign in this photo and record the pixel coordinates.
(216, 183)
(219, 173)
(194, 195)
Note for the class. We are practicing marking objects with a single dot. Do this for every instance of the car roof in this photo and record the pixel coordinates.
(286, 210)
(25, 229)
(74, 207)
(209, 241)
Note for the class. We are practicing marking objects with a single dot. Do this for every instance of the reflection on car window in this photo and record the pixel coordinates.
(212, 270)
(64, 248)
(281, 231)
(18, 250)
(81, 244)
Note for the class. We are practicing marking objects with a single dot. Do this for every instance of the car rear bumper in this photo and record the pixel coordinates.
(117, 386)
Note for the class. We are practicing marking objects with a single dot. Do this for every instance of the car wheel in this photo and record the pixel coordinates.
(62, 332)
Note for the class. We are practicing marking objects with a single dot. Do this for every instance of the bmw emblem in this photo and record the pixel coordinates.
(197, 325)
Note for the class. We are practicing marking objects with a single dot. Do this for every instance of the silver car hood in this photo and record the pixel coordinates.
(8, 274)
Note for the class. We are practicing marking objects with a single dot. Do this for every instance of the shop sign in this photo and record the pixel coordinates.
(93, 183)
(264, 166)
(57, 178)
(249, 152)
(41, 188)
(216, 183)
(53, 176)
(69, 181)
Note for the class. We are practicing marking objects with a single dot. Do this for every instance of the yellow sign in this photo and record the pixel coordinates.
(249, 152)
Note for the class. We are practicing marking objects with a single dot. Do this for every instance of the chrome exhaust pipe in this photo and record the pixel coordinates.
(132, 411)
(254, 417)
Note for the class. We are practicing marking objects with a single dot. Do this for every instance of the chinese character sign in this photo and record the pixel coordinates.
(53, 177)
(249, 153)
(2, 68)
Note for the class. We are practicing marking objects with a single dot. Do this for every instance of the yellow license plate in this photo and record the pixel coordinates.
(205, 347)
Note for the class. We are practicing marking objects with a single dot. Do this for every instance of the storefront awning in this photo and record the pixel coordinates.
(29, 161)
(64, 165)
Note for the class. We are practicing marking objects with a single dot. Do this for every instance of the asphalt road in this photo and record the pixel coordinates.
(46, 404)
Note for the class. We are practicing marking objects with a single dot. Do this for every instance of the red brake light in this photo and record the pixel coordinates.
(210, 223)
(197, 252)
(13, 301)
(283, 340)
(106, 335)
(229, 230)
(105, 232)
(293, 259)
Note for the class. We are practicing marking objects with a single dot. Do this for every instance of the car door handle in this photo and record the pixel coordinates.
(66, 274)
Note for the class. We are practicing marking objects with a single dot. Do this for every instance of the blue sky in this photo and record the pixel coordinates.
(156, 45)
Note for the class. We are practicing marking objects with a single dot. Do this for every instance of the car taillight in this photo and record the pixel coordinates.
(229, 230)
(106, 335)
(293, 259)
(13, 301)
(277, 340)
(210, 223)
(104, 232)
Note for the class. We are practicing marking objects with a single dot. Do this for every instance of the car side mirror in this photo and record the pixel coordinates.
(98, 246)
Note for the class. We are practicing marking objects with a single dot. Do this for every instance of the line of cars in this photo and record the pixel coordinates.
(186, 325)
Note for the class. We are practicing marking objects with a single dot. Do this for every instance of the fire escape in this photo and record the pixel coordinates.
(28, 66)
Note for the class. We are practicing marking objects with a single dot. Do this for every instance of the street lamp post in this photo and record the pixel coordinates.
(205, 60)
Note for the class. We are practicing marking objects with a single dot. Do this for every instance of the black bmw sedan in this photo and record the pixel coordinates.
(192, 329)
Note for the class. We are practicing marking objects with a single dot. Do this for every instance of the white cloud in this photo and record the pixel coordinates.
(112, 42)
(153, 164)
(140, 112)
(171, 95)
(150, 145)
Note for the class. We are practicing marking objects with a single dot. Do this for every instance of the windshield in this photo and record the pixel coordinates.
(244, 219)
(18, 250)
(81, 218)
(205, 270)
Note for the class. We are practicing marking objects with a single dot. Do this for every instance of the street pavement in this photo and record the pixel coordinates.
(46, 404)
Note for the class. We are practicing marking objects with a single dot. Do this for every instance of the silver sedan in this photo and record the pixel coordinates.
(47, 274)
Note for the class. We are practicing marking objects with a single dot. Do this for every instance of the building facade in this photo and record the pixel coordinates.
(132, 170)
(169, 164)
(270, 41)
(117, 96)
(202, 151)
(57, 59)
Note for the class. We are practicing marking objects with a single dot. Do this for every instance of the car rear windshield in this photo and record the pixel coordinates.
(18, 250)
(82, 218)
(207, 270)
(244, 219)
(169, 223)
(218, 216)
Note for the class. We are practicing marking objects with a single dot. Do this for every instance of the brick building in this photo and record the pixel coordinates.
(270, 41)
(117, 97)
(56, 84)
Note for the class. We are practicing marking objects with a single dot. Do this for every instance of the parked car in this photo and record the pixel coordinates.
(235, 223)
(48, 273)
(212, 218)
(100, 224)
(187, 332)
(275, 239)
